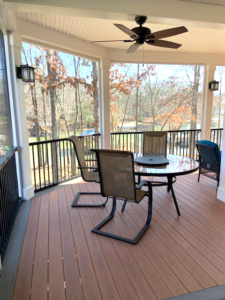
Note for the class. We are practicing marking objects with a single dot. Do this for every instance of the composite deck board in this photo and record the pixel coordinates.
(25, 270)
(40, 265)
(88, 276)
(56, 272)
(62, 259)
(71, 269)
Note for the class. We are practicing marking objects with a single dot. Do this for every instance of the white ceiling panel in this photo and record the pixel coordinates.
(198, 40)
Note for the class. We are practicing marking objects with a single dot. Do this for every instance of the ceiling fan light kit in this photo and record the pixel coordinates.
(141, 35)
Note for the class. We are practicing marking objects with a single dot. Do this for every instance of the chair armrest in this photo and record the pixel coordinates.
(141, 184)
(90, 159)
(88, 168)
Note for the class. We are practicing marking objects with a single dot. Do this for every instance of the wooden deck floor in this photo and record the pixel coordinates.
(62, 259)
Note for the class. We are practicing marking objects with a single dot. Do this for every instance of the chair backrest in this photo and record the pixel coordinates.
(116, 172)
(208, 157)
(214, 145)
(155, 142)
(80, 155)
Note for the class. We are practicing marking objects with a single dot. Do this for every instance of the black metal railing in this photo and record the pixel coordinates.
(54, 161)
(179, 142)
(9, 199)
(216, 136)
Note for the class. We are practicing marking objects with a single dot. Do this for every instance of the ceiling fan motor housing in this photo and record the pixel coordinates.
(142, 32)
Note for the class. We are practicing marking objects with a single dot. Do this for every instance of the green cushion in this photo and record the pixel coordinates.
(214, 145)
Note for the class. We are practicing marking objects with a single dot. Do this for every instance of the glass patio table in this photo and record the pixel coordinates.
(177, 166)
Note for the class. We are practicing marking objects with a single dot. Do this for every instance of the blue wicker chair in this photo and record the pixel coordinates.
(209, 159)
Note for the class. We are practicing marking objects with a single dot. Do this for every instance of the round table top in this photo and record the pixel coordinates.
(178, 165)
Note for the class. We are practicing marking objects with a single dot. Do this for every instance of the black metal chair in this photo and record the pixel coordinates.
(86, 174)
(209, 161)
(117, 180)
(155, 144)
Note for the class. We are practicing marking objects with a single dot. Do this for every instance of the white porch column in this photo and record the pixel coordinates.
(221, 188)
(104, 103)
(207, 102)
(15, 44)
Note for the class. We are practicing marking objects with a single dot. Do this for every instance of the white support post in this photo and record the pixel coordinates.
(15, 45)
(221, 188)
(105, 103)
(207, 102)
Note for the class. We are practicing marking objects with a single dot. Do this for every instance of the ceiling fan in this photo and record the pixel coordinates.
(141, 35)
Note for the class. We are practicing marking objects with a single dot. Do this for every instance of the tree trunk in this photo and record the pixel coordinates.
(45, 119)
(52, 93)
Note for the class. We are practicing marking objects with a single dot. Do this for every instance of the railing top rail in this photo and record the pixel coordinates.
(60, 140)
(140, 132)
(216, 128)
(7, 157)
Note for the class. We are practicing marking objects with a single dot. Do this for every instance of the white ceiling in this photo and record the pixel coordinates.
(212, 2)
(198, 40)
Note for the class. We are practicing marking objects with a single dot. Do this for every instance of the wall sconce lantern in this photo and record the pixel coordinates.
(26, 73)
(214, 85)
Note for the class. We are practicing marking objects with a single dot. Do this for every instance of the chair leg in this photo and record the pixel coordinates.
(199, 174)
(124, 205)
(139, 179)
(120, 238)
(74, 204)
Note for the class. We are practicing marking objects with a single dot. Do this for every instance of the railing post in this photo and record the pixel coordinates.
(207, 102)
(104, 103)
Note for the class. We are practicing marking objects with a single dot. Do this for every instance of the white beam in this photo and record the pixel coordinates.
(47, 37)
(207, 102)
(157, 11)
(165, 57)
(104, 103)
(15, 44)
(221, 188)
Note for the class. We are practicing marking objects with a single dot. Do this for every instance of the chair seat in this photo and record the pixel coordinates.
(140, 194)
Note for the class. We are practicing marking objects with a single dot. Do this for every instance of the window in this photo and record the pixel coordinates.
(155, 97)
(5, 116)
(218, 99)
(64, 100)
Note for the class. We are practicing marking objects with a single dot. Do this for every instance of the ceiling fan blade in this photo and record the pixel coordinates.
(164, 44)
(127, 31)
(125, 41)
(166, 33)
(133, 48)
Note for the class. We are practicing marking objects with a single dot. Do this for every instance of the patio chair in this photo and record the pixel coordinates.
(154, 143)
(117, 180)
(86, 173)
(209, 160)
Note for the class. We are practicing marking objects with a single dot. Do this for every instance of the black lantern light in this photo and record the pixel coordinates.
(214, 85)
(26, 73)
